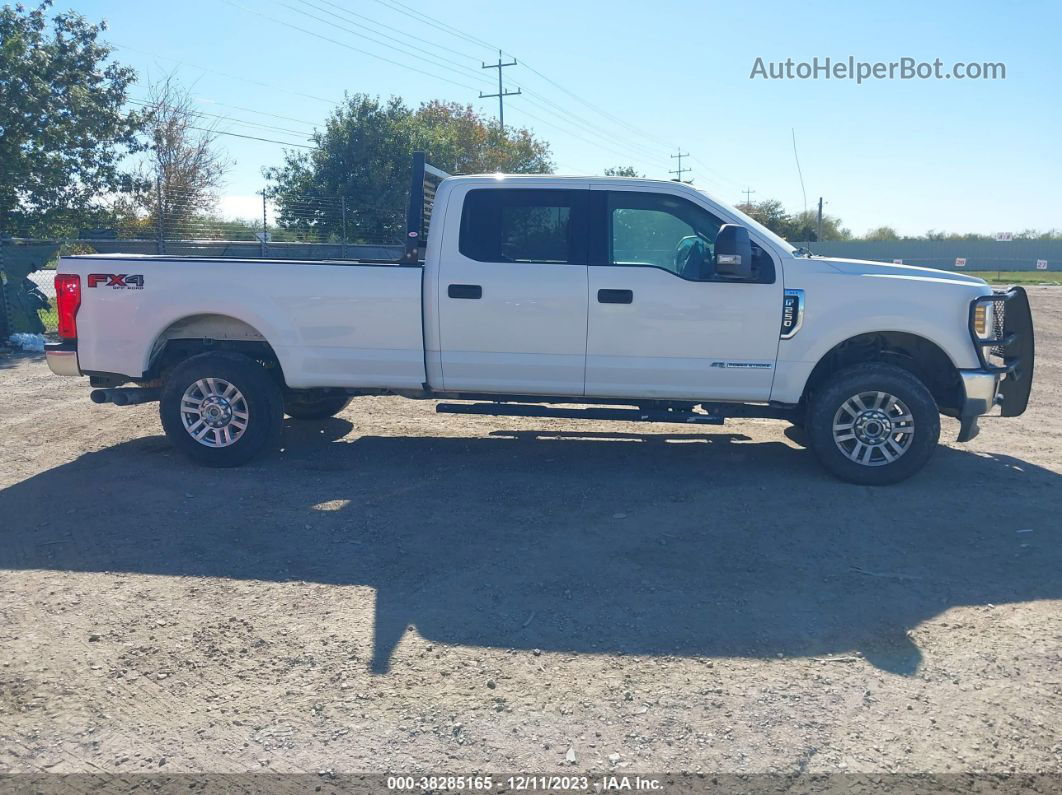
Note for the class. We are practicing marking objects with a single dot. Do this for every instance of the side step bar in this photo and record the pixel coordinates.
(623, 415)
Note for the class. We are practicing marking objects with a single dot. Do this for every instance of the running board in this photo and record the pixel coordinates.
(622, 415)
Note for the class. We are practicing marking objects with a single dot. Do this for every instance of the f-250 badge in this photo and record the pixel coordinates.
(117, 281)
(792, 313)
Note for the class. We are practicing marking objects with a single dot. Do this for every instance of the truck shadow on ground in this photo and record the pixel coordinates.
(11, 357)
(646, 544)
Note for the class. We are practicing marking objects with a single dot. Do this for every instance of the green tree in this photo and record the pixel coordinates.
(183, 169)
(770, 213)
(797, 227)
(63, 132)
(882, 233)
(622, 171)
(363, 154)
(806, 223)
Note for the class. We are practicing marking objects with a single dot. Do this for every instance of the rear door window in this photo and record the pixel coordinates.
(515, 225)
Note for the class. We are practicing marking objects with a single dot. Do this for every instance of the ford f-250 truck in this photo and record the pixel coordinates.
(546, 296)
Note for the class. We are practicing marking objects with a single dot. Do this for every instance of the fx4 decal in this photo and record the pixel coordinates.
(116, 281)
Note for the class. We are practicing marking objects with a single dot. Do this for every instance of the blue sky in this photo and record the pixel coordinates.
(644, 78)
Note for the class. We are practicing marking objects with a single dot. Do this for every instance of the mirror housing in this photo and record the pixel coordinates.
(733, 251)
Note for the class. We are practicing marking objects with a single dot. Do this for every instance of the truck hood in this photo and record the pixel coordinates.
(860, 267)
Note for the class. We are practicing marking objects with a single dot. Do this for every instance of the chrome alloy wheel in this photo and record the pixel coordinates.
(214, 412)
(873, 428)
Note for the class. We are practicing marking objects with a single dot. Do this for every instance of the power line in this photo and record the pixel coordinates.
(200, 114)
(548, 104)
(432, 60)
(350, 13)
(209, 70)
(527, 96)
(502, 93)
(722, 180)
(632, 152)
(446, 27)
(391, 61)
(253, 138)
(438, 24)
(748, 196)
(597, 144)
(568, 115)
(210, 101)
(680, 170)
(551, 106)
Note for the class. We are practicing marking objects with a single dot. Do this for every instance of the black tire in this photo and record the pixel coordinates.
(909, 452)
(317, 409)
(261, 402)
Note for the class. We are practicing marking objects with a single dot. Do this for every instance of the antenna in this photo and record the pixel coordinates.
(796, 157)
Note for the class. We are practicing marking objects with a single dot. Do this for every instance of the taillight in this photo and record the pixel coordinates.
(67, 302)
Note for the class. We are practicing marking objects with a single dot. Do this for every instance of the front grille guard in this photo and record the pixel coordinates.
(1001, 339)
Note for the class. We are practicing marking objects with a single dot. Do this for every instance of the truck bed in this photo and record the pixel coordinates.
(342, 323)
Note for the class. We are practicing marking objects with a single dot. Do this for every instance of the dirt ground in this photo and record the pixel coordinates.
(403, 591)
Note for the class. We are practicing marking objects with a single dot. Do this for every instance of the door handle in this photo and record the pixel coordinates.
(465, 291)
(615, 296)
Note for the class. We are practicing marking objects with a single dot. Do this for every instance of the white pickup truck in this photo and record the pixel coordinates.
(546, 296)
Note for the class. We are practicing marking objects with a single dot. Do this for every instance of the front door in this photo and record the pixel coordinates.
(513, 297)
(662, 322)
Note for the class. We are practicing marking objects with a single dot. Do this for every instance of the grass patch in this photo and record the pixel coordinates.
(1016, 277)
(50, 319)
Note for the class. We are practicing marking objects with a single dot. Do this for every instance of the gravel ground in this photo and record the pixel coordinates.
(399, 590)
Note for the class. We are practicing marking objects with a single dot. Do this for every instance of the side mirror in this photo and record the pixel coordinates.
(733, 251)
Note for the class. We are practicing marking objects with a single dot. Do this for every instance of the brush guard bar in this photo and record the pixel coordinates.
(1011, 351)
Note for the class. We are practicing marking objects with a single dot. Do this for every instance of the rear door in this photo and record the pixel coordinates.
(662, 323)
(513, 291)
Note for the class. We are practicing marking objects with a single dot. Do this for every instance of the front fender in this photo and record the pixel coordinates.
(840, 306)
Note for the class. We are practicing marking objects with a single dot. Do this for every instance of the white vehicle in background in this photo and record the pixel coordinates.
(545, 296)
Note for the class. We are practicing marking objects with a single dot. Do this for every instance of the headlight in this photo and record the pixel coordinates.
(984, 320)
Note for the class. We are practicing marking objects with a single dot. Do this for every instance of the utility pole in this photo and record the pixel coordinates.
(748, 196)
(680, 170)
(265, 226)
(502, 93)
(160, 221)
(818, 234)
(343, 209)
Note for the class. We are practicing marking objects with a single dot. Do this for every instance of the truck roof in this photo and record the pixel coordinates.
(574, 177)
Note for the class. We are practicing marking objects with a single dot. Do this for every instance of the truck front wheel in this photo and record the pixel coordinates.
(873, 424)
(221, 409)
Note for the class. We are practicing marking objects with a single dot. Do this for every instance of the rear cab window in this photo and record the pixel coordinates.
(520, 225)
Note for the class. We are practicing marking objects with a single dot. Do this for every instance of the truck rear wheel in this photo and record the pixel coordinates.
(221, 409)
(319, 409)
(873, 424)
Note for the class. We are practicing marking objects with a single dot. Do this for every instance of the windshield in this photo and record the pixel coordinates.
(755, 225)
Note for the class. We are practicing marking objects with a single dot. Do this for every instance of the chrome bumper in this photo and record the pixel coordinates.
(62, 358)
(982, 391)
